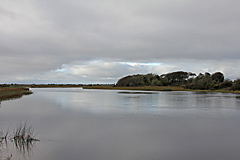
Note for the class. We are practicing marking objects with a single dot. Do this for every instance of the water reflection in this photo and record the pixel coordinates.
(99, 101)
(26, 148)
(105, 125)
(22, 140)
(9, 146)
(238, 97)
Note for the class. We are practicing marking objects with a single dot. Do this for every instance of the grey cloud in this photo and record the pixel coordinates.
(40, 36)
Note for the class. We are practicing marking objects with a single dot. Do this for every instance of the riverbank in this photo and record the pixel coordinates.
(7, 93)
(143, 88)
(155, 88)
(25, 89)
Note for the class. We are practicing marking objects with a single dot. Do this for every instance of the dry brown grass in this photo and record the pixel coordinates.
(11, 93)
(156, 88)
(143, 88)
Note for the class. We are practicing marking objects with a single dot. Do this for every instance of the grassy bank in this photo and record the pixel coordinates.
(10, 90)
(53, 85)
(156, 88)
(142, 88)
(7, 93)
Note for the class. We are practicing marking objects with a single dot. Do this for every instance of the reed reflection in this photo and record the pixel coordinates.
(22, 140)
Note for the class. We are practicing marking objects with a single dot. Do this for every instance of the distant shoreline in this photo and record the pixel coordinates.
(139, 88)
(156, 88)
(11, 92)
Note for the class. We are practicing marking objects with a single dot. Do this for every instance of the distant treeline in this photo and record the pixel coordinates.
(186, 80)
(52, 85)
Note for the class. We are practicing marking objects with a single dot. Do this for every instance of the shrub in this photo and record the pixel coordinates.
(236, 85)
(226, 84)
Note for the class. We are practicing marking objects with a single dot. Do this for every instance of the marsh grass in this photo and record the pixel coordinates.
(142, 88)
(7, 93)
(157, 88)
(23, 138)
(24, 134)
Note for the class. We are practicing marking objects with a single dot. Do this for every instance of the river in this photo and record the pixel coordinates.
(79, 124)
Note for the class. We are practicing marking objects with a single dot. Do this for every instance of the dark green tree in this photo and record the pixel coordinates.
(218, 77)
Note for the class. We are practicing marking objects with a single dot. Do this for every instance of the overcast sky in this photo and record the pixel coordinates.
(76, 41)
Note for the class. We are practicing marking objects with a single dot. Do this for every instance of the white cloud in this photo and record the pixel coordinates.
(110, 72)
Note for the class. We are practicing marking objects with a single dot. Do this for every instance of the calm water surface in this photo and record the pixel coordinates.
(82, 124)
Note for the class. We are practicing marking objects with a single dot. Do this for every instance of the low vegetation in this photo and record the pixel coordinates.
(53, 85)
(143, 88)
(12, 92)
(23, 138)
(24, 134)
